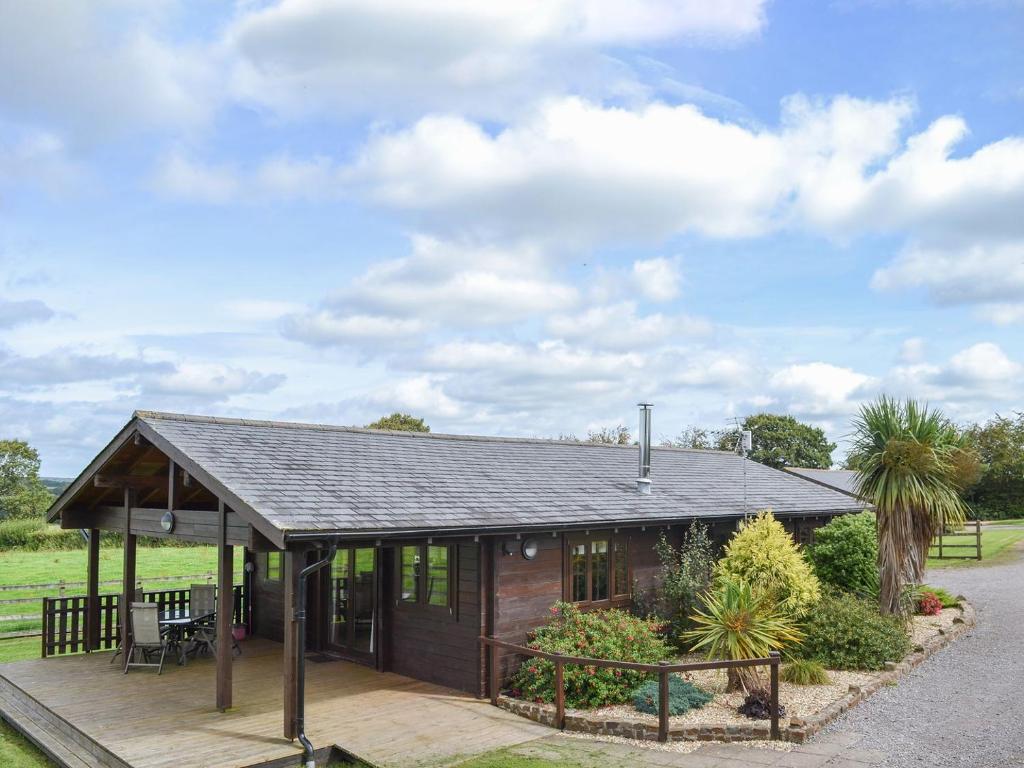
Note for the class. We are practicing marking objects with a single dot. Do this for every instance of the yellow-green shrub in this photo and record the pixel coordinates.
(763, 555)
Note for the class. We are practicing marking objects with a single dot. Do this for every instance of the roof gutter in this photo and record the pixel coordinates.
(408, 533)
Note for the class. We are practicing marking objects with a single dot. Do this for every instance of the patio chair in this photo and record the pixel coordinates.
(203, 601)
(147, 638)
(139, 597)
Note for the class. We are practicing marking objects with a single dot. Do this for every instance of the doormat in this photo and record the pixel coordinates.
(320, 658)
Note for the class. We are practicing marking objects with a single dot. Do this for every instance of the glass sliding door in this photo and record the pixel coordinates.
(353, 601)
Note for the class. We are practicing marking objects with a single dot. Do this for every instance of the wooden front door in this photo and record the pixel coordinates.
(352, 621)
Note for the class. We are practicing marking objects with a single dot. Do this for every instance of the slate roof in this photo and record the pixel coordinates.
(844, 480)
(303, 477)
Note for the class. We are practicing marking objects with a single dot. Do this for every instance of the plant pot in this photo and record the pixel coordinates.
(238, 632)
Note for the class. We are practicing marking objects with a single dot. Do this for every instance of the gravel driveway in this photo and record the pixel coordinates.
(964, 706)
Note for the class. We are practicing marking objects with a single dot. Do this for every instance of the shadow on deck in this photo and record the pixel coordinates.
(140, 720)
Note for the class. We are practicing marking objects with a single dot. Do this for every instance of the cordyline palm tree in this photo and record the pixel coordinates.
(910, 461)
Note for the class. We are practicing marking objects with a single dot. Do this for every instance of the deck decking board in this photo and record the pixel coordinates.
(151, 721)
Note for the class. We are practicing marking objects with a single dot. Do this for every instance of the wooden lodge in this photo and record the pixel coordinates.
(437, 539)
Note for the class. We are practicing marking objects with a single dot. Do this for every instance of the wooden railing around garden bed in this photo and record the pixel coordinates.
(65, 621)
(663, 669)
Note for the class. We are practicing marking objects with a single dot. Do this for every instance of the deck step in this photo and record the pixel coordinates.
(55, 737)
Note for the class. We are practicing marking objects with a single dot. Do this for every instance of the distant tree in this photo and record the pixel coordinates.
(618, 435)
(782, 441)
(694, 437)
(22, 494)
(999, 492)
(400, 422)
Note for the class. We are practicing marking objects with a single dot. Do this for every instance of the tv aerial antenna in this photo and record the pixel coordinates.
(744, 444)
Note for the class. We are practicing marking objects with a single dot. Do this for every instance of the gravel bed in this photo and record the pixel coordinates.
(683, 747)
(963, 706)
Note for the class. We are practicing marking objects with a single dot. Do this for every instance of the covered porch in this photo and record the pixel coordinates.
(143, 720)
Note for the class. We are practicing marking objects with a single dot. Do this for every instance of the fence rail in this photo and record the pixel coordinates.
(65, 619)
(938, 542)
(663, 669)
(77, 584)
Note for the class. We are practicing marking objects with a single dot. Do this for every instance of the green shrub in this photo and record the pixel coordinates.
(804, 672)
(847, 632)
(845, 554)
(35, 534)
(682, 696)
(611, 634)
(763, 554)
(686, 573)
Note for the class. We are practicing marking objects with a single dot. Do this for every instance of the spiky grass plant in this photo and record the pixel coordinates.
(736, 622)
(804, 672)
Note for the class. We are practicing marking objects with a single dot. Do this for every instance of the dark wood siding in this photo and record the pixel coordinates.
(268, 601)
(430, 643)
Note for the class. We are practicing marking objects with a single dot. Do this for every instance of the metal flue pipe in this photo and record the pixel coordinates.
(308, 755)
(643, 480)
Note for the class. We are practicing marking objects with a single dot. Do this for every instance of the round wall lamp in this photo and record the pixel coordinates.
(530, 548)
(167, 522)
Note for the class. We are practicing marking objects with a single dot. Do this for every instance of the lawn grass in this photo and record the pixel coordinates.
(996, 546)
(17, 752)
(1014, 521)
(52, 566)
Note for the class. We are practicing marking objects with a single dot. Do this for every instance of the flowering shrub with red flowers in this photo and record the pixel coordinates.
(609, 634)
(929, 604)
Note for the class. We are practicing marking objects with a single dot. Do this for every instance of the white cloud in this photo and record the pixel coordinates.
(325, 328)
(14, 313)
(215, 381)
(439, 284)
(179, 177)
(912, 350)
(657, 279)
(345, 56)
(37, 157)
(100, 68)
(820, 389)
(984, 362)
(619, 326)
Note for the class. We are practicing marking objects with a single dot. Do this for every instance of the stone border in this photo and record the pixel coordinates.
(798, 730)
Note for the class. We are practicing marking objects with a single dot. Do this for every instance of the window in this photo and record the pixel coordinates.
(426, 575)
(272, 571)
(437, 575)
(410, 575)
(598, 569)
(619, 557)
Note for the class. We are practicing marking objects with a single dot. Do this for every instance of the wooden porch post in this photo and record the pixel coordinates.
(290, 569)
(225, 610)
(92, 591)
(128, 581)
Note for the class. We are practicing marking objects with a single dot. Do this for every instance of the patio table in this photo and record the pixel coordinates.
(177, 622)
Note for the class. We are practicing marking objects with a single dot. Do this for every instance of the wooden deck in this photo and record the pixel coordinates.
(170, 721)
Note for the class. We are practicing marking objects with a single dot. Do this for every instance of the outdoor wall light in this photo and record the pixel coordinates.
(508, 547)
(167, 522)
(530, 548)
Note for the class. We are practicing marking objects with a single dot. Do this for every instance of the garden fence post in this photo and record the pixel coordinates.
(559, 693)
(494, 675)
(775, 657)
(663, 703)
(977, 535)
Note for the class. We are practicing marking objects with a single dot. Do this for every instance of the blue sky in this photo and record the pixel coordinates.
(509, 218)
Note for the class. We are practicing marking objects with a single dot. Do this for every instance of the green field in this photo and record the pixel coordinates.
(996, 546)
(16, 752)
(18, 567)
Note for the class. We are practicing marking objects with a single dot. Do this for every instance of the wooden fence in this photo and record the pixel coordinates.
(65, 619)
(975, 547)
(663, 669)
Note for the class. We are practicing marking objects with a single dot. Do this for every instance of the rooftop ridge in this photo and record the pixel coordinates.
(300, 425)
